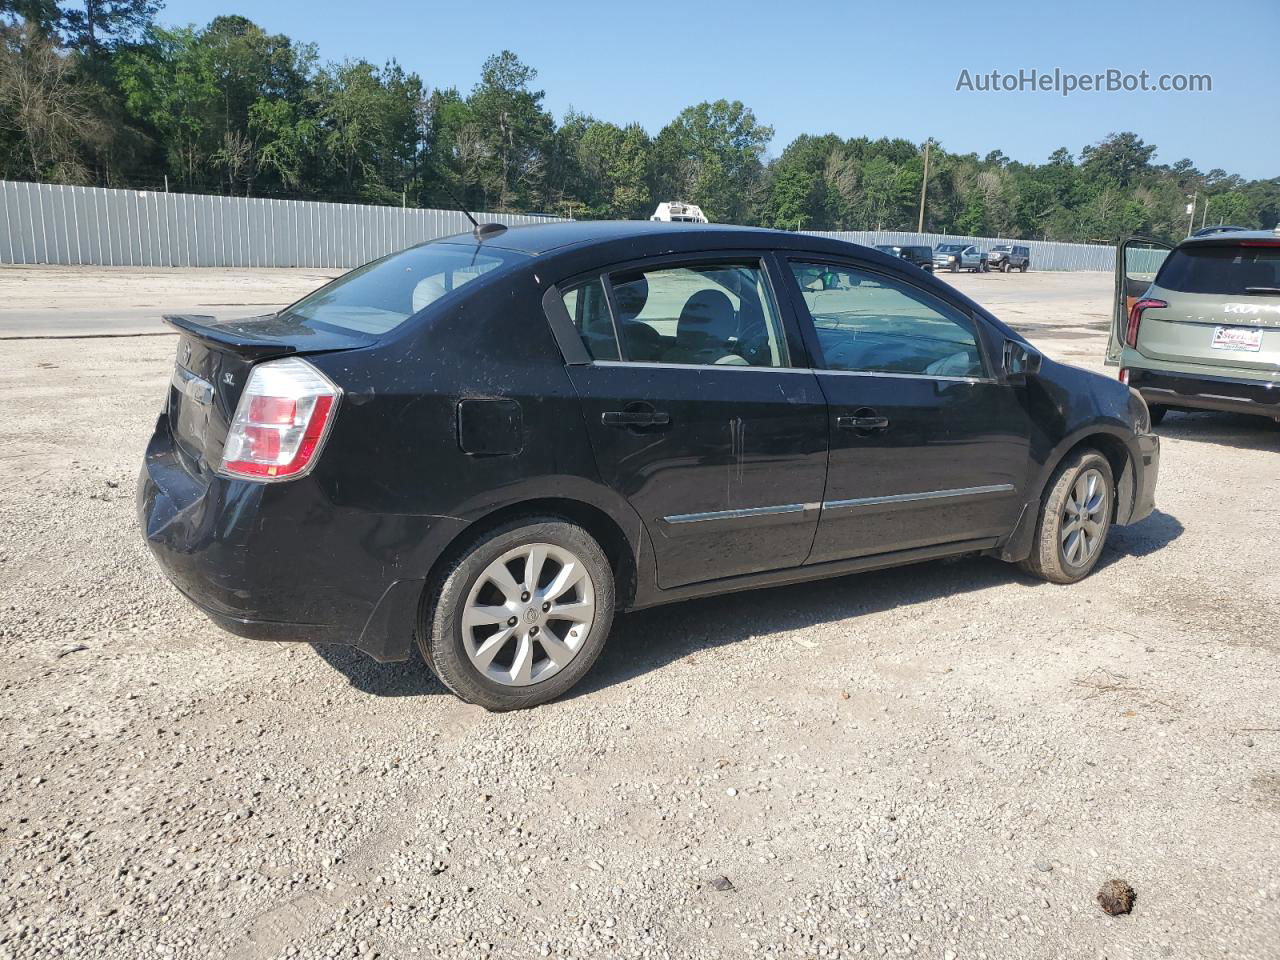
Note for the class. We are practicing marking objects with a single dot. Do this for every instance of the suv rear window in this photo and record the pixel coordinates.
(379, 296)
(1232, 271)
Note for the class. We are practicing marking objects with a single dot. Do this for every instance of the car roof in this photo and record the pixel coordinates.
(1230, 238)
(540, 238)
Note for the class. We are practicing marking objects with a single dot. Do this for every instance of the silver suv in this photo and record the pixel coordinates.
(1197, 327)
(960, 256)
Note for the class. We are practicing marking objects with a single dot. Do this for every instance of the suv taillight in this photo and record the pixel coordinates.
(1135, 318)
(281, 421)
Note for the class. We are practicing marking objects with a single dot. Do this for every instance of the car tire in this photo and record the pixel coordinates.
(955, 268)
(1023, 268)
(457, 629)
(1082, 485)
(1157, 414)
(1004, 267)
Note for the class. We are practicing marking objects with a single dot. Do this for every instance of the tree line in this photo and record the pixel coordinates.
(99, 92)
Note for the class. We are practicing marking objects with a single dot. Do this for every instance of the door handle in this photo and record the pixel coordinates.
(634, 418)
(863, 420)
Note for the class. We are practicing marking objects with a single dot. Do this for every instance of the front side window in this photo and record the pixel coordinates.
(716, 314)
(379, 296)
(870, 324)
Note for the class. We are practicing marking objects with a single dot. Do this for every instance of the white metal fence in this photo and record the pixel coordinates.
(1045, 254)
(50, 223)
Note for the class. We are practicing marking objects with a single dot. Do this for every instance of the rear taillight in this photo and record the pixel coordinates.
(281, 421)
(1135, 318)
(1124, 375)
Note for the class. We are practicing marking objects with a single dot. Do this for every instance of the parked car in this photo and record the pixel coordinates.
(1010, 256)
(491, 443)
(921, 256)
(1218, 228)
(676, 212)
(960, 256)
(1197, 327)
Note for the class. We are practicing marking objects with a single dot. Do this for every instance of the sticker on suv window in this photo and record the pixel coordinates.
(1237, 338)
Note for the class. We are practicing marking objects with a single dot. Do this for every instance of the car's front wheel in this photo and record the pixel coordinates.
(520, 615)
(1075, 518)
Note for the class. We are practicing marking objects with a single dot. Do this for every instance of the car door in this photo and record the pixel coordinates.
(1137, 261)
(927, 445)
(696, 414)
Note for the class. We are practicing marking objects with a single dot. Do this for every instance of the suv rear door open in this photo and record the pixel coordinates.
(1137, 261)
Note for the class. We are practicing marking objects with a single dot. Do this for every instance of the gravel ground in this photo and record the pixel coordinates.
(943, 761)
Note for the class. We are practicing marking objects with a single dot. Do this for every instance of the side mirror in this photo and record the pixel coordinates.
(1020, 360)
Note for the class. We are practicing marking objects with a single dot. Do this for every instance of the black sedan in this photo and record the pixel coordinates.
(493, 442)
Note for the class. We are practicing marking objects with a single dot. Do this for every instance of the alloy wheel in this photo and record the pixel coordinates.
(528, 614)
(1084, 518)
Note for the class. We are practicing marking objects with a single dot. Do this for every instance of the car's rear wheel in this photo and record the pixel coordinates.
(1075, 518)
(1023, 268)
(521, 615)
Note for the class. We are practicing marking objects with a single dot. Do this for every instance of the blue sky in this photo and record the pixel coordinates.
(874, 69)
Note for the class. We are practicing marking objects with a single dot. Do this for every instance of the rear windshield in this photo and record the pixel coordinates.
(1233, 271)
(379, 296)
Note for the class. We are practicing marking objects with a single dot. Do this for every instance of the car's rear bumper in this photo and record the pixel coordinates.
(1201, 392)
(280, 561)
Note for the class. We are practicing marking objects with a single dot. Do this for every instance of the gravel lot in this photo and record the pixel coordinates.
(944, 761)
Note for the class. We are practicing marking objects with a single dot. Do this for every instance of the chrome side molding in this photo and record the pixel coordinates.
(911, 497)
(742, 513)
(746, 512)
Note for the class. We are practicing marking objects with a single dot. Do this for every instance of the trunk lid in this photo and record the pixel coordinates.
(1242, 332)
(1223, 298)
(213, 363)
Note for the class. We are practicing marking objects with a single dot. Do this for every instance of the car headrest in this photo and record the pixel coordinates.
(630, 298)
(708, 315)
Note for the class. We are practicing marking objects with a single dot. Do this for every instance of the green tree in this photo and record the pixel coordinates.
(711, 155)
(512, 133)
(1121, 158)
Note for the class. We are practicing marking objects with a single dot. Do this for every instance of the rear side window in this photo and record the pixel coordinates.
(1233, 271)
(713, 314)
(870, 324)
(379, 296)
(589, 310)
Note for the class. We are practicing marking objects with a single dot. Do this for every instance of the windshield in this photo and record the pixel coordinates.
(1002, 247)
(381, 295)
(950, 247)
(1223, 270)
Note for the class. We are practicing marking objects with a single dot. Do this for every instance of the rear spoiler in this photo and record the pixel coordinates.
(227, 336)
(256, 338)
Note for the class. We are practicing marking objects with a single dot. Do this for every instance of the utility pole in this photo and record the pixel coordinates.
(924, 186)
(1191, 209)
